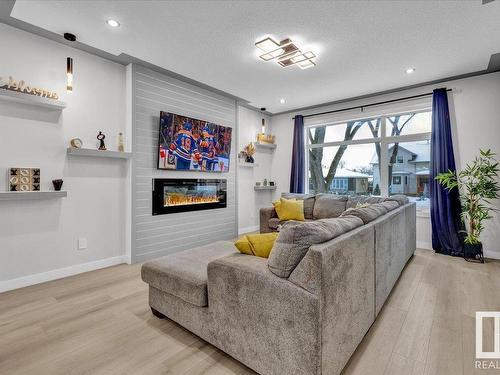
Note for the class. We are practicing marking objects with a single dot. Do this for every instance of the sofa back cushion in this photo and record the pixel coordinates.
(308, 202)
(328, 206)
(356, 200)
(367, 213)
(295, 238)
(390, 205)
(400, 198)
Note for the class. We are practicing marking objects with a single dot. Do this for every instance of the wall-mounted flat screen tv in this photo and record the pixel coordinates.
(190, 144)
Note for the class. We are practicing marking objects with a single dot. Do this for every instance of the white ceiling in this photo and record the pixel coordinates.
(362, 46)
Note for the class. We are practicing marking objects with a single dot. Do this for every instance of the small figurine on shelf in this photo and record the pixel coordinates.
(100, 138)
(121, 142)
(249, 150)
(265, 181)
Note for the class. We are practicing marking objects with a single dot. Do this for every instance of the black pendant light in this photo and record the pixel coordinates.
(263, 121)
(69, 65)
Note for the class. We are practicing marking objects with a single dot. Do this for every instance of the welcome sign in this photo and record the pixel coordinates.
(21, 86)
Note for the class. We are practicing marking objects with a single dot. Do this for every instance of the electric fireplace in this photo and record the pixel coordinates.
(171, 195)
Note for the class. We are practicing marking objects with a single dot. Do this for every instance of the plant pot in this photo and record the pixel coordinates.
(474, 252)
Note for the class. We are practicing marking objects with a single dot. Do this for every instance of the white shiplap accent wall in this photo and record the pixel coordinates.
(154, 236)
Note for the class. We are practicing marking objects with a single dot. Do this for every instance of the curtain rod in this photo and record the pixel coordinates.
(369, 105)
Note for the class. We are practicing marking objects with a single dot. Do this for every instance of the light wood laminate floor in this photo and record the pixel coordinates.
(100, 323)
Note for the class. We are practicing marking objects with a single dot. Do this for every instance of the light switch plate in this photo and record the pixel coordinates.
(82, 243)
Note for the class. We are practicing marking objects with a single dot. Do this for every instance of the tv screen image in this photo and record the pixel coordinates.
(190, 144)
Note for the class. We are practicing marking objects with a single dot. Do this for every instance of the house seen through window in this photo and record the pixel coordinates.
(373, 156)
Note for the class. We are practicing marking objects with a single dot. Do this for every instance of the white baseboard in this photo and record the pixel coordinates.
(248, 229)
(60, 273)
(492, 254)
(424, 245)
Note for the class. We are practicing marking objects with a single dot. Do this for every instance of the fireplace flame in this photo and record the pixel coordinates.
(182, 199)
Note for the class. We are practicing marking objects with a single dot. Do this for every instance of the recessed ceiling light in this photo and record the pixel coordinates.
(113, 23)
(410, 70)
(282, 100)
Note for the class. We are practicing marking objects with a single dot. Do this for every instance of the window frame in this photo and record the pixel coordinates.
(383, 139)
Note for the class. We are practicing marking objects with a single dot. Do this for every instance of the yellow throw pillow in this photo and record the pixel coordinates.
(290, 209)
(257, 244)
(243, 245)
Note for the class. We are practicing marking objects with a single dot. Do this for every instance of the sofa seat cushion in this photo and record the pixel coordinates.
(329, 205)
(274, 223)
(308, 202)
(296, 238)
(184, 274)
(367, 213)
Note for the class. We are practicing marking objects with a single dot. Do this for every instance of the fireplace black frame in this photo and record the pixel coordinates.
(158, 195)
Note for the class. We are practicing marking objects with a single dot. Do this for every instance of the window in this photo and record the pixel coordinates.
(371, 156)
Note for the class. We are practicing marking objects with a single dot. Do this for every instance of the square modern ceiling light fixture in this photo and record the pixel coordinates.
(286, 53)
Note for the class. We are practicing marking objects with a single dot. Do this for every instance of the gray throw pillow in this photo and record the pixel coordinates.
(296, 237)
(308, 202)
(329, 206)
(368, 213)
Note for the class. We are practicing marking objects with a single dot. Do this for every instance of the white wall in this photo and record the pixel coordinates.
(475, 112)
(38, 239)
(250, 201)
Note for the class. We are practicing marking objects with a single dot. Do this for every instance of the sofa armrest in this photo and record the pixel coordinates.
(278, 321)
(266, 214)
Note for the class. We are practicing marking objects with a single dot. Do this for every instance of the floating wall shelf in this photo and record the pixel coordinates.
(98, 153)
(248, 165)
(32, 100)
(258, 188)
(270, 146)
(31, 195)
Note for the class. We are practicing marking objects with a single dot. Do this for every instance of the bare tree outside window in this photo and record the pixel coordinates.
(320, 182)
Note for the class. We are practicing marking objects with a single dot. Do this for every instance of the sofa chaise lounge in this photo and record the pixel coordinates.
(291, 314)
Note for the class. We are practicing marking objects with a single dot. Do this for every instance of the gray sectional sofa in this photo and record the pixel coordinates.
(306, 308)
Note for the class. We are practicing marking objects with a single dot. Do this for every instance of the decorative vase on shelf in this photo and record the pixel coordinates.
(57, 184)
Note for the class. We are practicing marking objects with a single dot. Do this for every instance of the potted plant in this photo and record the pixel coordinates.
(477, 185)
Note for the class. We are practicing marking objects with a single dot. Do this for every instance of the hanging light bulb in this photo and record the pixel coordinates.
(69, 65)
(69, 75)
(263, 122)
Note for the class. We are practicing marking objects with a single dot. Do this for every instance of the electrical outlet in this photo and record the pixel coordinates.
(82, 243)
